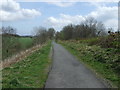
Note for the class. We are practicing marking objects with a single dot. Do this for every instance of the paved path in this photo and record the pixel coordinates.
(68, 72)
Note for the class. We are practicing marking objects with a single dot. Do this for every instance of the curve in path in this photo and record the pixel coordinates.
(68, 72)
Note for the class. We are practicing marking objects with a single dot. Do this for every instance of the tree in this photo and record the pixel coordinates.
(67, 32)
(86, 29)
(90, 23)
(41, 35)
(51, 33)
(101, 29)
(8, 30)
(57, 35)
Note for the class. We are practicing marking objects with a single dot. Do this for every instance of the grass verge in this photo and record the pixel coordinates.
(30, 72)
(86, 54)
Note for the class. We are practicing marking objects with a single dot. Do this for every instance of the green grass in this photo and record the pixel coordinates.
(91, 56)
(12, 45)
(25, 42)
(30, 72)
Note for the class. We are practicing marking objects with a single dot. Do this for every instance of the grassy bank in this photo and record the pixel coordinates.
(103, 61)
(30, 72)
(11, 45)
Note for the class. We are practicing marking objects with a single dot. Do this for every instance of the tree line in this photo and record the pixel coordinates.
(86, 29)
(41, 33)
(11, 40)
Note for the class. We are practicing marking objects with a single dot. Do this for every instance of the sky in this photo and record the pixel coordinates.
(25, 16)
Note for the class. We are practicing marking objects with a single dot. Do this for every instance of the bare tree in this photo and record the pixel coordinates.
(8, 30)
(90, 23)
(101, 29)
(41, 35)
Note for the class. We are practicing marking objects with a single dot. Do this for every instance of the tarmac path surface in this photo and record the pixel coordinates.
(68, 72)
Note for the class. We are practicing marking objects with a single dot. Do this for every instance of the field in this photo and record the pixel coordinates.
(31, 72)
(12, 45)
(26, 42)
(104, 61)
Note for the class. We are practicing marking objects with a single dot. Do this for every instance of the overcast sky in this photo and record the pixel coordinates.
(24, 16)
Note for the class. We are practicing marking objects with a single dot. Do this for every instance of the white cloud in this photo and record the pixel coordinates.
(108, 15)
(112, 23)
(63, 20)
(9, 5)
(66, 3)
(62, 4)
(105, 13)
(11, 10)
